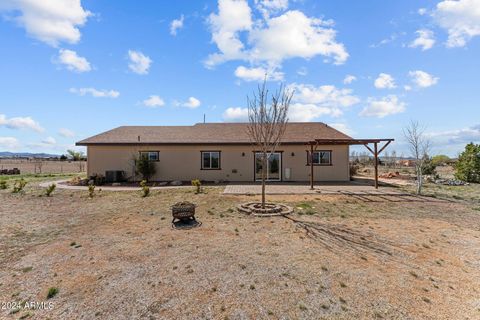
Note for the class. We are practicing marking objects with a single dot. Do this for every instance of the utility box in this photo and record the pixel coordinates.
(288, 173)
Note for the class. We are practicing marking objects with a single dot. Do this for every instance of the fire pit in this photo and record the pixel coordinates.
(183, 211)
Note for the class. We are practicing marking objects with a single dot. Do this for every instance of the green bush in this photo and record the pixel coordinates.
(50, 189)
(19, 185)
(145, 167)
(198, 184)
(429, 167)
(52, 292)
(3, 184)
(467, 167)
(440, 159)
(145, 188)
(91, 190)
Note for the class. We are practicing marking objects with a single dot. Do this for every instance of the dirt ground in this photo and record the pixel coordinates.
(27, 166)
(116, 256)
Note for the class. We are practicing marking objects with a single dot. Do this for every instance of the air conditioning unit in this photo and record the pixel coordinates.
(114, 176)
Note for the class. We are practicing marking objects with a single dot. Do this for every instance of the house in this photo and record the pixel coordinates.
(219, 152)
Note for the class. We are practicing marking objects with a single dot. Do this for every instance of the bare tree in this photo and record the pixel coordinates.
(419, 147)
(267, 123)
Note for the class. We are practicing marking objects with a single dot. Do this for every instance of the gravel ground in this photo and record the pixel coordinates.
(116, 257)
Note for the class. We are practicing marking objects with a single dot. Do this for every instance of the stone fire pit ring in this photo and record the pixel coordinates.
(270, 210)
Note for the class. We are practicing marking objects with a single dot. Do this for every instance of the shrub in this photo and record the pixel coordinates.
(50, 189)
(428, 167)
(354, 169)
(145, 188)
(145, 167)
(468, 164)
(98, 179)
(440, 159)
(91, 190)
(19, 185)
(3, 184)
(198, 184)
(52, 292)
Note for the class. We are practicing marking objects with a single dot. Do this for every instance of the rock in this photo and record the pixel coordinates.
(176, 183)
(162, 184)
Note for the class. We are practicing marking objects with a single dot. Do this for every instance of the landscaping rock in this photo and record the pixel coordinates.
(162, 184)
(176, 183)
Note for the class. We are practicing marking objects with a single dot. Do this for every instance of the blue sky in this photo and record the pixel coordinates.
(72, 69)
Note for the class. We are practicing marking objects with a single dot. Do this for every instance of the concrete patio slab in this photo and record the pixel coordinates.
(345, 188)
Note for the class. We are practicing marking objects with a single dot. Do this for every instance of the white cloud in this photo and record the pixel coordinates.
(139, 63)
(49, 21)
(459, 136)
(176, 24)
(425, 39)
(293, 35)
(154, 101)
(461, 19)
(342, 127)
(268, 7)
(192, 103)
(20, 123)
(236, 115)
(310, 102)
(384, 81)
(66, 133)
(233, 16)
(49, 141)
(383, 107)
(9, 143)
(422, 79)
(73, 62)
(349, 79)
(271, 39)
(422, 11)
(257, 74)
(407, 87)
(302, 71)
(95, 93)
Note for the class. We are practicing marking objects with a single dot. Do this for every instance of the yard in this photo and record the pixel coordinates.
(115, 256)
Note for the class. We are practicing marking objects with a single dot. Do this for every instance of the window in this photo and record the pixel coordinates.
(210, 160)
(150, 155)
(320, 158)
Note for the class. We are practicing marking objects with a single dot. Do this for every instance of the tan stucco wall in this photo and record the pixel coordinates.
(183, 162)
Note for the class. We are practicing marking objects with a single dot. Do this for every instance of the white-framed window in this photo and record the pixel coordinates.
(320, 158)
(210, 160)
(150, 155)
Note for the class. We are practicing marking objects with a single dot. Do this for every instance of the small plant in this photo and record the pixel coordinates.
(3, 184)
(145, 188)
(91, 190)
(19, 185)
(198, 185)
(52, 292)
(50, 189)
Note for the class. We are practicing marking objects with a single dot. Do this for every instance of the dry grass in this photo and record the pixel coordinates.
(116, 256)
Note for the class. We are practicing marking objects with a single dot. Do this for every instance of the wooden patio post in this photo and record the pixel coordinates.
(376, 164)
(311, 166)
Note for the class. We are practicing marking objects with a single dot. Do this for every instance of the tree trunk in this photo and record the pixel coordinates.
(264, 177)
(419, 180)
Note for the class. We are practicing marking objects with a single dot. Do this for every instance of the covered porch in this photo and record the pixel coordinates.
(373, 145)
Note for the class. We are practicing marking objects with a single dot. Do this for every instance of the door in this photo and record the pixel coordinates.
(274, 166)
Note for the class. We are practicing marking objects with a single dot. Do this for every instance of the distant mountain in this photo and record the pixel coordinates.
(7, 154)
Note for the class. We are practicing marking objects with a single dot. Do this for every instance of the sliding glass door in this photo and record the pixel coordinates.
(273, 169)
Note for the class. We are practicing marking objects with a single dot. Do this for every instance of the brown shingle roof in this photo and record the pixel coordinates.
(209, 133)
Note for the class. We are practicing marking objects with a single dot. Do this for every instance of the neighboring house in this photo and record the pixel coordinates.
(218, 152)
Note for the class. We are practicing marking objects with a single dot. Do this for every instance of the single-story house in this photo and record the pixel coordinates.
(218, 152)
